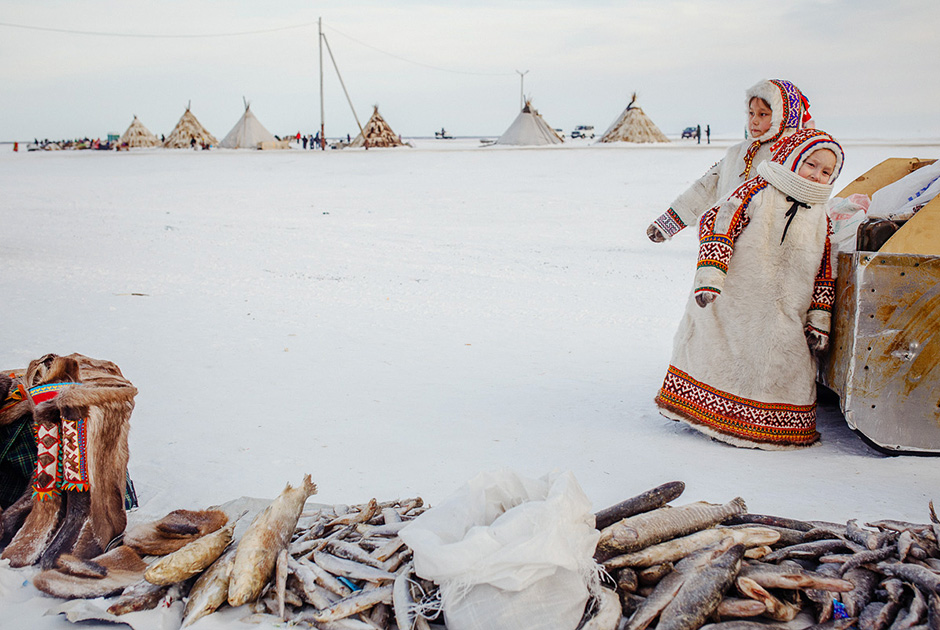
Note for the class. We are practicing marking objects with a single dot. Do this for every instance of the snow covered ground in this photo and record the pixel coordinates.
(394, 322)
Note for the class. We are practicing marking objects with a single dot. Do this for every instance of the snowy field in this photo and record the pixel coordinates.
(395, 322)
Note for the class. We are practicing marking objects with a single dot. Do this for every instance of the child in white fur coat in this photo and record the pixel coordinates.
(743, 369)
(775, 109)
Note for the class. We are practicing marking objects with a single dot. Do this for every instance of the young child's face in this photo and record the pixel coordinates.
(759, 115)
(819, 166)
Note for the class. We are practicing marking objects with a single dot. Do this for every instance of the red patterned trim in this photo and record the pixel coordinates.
(824, 287)
(714, 290)
(73, 473)
(670, 223)
(742, 418)
(716, 249)
(824, 333)
(48, 445)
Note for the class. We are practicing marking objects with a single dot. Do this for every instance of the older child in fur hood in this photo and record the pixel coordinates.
(742, 368)
(775, 109)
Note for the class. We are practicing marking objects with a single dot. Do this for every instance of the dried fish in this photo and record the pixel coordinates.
(387, 550)
(701, 592)
(266, 536)
(353, 552)
(771, 521)
(357, 602)
(627, 580)
(777, 609)
(191, 559)
(649, 500)
(787, 577)
(668, 587)
(838, 624)
(866, 557)
(140, 596)
(326, 579)
(607, 611)
(859, 597)
(650, 576)
(868, 539)
(350, 569)
(648, 528)
(914, 613)
(678, 548)
(390, 529)
(359, 516)
(737, 607)
(787, 536)
(921, 576)
(813, 549)
(312, 592)
(210, 590)
(402, 600)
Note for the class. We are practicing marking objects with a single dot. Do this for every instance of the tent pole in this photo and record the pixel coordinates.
(322, 132)
(522, 88)
(348, 100)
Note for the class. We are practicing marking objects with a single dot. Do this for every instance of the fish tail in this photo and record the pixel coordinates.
(310, 488)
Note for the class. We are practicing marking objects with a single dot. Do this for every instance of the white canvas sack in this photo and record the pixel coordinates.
(898, 199)
(509, 552)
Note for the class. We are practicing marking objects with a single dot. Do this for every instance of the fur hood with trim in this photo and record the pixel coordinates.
(789, 105)
(789, 155)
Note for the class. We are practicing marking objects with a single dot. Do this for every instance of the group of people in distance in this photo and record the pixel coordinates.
(743, 367)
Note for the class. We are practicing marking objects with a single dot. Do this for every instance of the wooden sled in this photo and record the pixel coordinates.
(884, 362)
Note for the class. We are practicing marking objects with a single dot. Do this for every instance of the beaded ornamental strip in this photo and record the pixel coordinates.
(742, 418)
(669, 223)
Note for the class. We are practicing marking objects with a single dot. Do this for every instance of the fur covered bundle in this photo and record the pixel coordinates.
(81, 515)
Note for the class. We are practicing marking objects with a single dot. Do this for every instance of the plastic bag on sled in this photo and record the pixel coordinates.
(509, 552)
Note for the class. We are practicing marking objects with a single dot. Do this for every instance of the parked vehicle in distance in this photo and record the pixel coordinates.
(583, 131)
(688, 132)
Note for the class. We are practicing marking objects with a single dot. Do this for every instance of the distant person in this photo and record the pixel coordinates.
(348, 139)
(770, 116)
(298, 137)
(698, 134)
(708, 134)
(317, 138)
(743, 369)
(192, 142)
(310, 140)
(16, 147)
(305, 141)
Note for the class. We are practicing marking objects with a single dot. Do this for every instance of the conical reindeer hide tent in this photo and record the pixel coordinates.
(186, 130)
(530, 129)
(377, 133)
(633, 126)
(138, 136)
(248, 133)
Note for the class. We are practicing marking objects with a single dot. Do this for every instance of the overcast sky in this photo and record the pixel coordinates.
(870, 69)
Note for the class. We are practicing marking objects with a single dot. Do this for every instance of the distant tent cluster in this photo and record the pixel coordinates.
(248, 133)
(530, 129)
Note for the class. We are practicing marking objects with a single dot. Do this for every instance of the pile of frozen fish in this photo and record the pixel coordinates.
(341, 567)
(679, 568)
(670, 567)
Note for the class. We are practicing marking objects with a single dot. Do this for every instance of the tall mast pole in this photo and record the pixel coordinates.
(322, 128)
(521, 90)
